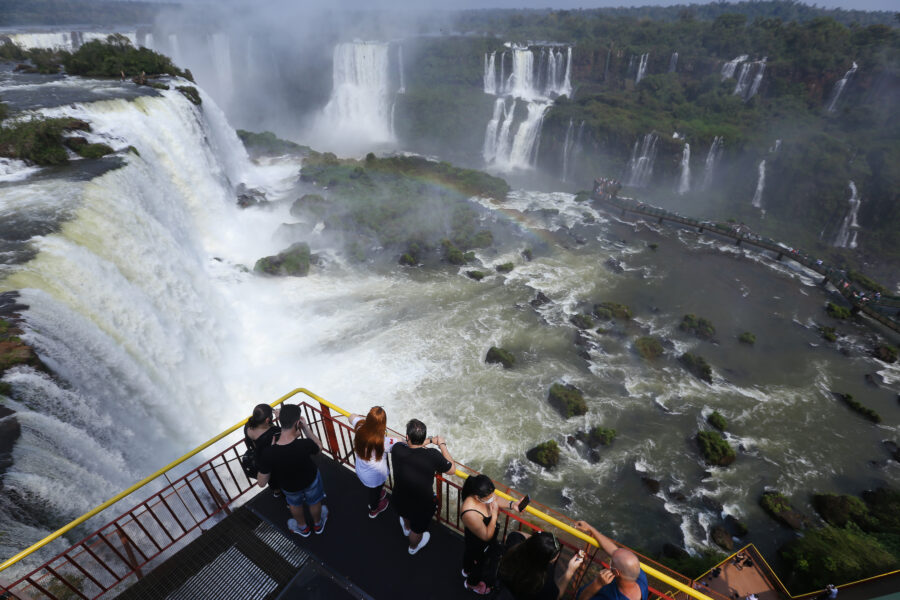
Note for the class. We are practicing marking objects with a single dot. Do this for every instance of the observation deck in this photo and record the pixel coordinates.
(212, 533)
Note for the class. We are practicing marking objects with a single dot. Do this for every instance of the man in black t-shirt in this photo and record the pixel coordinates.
(414, 470)
(289, 460)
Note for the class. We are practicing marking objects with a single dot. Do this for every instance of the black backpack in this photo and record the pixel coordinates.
(248, 459)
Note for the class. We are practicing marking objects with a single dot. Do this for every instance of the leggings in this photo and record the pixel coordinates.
(374, 496)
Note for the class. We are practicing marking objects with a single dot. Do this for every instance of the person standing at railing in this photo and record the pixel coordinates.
(479, 513)
(259, 433)
(528, 567)
(414, 469)
(371, 447)
(289, 461)
(623, 580)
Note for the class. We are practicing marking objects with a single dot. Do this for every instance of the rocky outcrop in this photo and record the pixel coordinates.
(698, 327)
(651, 484)
(294, 262)
(715, 450)
(247, 197)
(885, 353)
(697, 366)
(648, 347)
(735, 527)
(540, 300)
(782, 511)
(722, 538)
(567, 399)
(606, 310)
(546, 454)
(581, 321)
(500, 356)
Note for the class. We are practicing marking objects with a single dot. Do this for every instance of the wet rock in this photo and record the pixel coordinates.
(678, 496)
(735, 527)
(673, 551)
(874, 379)
(500, 356)
(651, 484)
(546, 454)
(10, 430)
(540, 300)
(885, 353)
(614, 265)
(722, 538)
(594, 456)
(294, 261)
(892, 448)
(782, 511)
(567, 399)
(582, 321)
(711, 503)
(571, 439)
(582, 339)
(697, 366)
(247, 197)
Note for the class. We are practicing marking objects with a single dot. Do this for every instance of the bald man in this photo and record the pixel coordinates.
(623, 580)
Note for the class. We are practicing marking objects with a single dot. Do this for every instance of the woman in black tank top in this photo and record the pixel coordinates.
(479, 516)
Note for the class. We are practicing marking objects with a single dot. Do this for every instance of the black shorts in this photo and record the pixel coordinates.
(417, 511)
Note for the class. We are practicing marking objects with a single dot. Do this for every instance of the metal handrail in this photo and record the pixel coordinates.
(326, 405)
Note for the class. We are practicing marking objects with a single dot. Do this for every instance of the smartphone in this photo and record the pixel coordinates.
(524, 503)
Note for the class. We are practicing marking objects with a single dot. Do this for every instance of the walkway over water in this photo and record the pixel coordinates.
(884, 309)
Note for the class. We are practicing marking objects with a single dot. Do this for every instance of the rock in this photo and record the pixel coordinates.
(546, 454)
(567, 399)
(648, 347)
(501, 356)
(711, 503)
(476, 275)
(722, 538)
(619, 311)
(582, 340)
(594, 456)
(715, 450)
(698, 327)
(856, 406)
(571, 439)
(614, 265)
(673, 551)
(75, 142)
(294, 261)
(527, 254)
(885, 353)
(651, 484)
(540, 300)
(697, 366)
(735, 527)
(717, 421)
(597, 436)
(10, 430)
(747, 338)
(874, 379)
(247, 197)
(505, 267)
(781, 510)
(678, 496)
(892, 449)
(13, 351)
(191, 94)
(582, 321)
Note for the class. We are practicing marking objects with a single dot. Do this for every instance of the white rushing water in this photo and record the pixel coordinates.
(673, 62)
(684, 179)
(729, 68)
(716, 148)
(839, 88)
(760, 185)
(642, 68)
(640, 167)
(846, 235)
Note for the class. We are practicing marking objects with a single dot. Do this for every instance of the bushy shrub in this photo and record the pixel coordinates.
(717, 421)
(747, 338)
(697, 326)
(116, 55)
(545, 454)
(619, 311)
(715, 450)
(37, 141)
(649, 347)
(567, 399)
(697, 365)
(837, 312)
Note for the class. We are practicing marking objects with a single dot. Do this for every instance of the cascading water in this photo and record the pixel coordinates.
(712, 157)
(567, 144)
(642, 68)
(673, 62)
(684, 181)
(757, 79)
(729, 68)
(220, 49)
(358, 114)
(640, 167)
(839, 88)
(400, 67)
(490, 74)
(746, 87)
(846, 235)
(760, 185)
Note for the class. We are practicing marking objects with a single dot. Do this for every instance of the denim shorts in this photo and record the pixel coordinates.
(314, 494)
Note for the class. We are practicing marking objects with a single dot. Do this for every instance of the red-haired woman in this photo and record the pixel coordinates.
(370, 446)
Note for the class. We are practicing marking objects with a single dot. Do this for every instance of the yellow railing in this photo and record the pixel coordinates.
(550, 520)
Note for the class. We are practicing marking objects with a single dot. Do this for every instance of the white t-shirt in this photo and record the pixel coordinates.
(373, 473)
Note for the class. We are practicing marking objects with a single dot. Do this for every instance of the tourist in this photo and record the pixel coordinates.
(624, 579)
(752, 597)
(371, 447)
(259, 432)
(289, 460)
(829, 593)
(414, 470)
(528, 566)
(479, 513)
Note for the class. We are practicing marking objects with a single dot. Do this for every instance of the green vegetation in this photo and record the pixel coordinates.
(605, 310)
(567, 399)
(886, 353)
(715, 450)
(697, 366)
(13, 351)
(829, 334)
(717, 421)
(600, 436)
(501, 356)
(582, 321)
(454, 255)
(93, 150)
(780, 509)
(747, 338)
(268, 144)
(690, 564)
(546, 454)
(505, 267)
(866, 282)
(528, 254)
(837, 312)
(190, 93)
(115, 56)
(294, 261)
(649, 347)
(39, 141)
(865, 411)
(697, 326)
(476, 275)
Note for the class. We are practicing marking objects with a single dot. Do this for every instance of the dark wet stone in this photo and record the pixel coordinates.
(722, 538)
(540, 300)
(613, 265)
(594, 456)
(735, 527)
(570, 440)
(678, 496)
(673, 551)
(874, 379)
(711, 503)
(892, 448)
(651, 484)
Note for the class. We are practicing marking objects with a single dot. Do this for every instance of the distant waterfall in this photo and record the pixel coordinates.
(359, 110)
(570, 146)
(220, 49)
(846, 235)
(839, 88)
(729, 68)
(642, 68)
(640, 167)
(748, 82)
(402, 89)
(684, 182)
(673, 62)
(760, 185)
(775, 147)
(757, 79)
(537, 75)
(712, 157)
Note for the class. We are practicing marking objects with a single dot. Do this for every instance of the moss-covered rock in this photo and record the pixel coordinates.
(885, 353)
(747, 338)
(721, 538)
(854, 405)
(697, 326)
(697, 366)
(454, 255)
(649, 347)
(505, 267)
(598, 436)
(293, 261)
(268, 144)
(780, 509)
(838, 510)
(408, 260)
(38, 141)
(500, 356)
(546, 454)
(567, 399)
(619, 311)
(715, 450)
(828, 334)
(94, 151)
(528, 254)
(476, 275)
(191, 94)
(581, 321)
(314, 204)
(735, 526)
(717, 421)
(837, 312)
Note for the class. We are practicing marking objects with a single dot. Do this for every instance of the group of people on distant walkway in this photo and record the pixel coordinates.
(522, 567)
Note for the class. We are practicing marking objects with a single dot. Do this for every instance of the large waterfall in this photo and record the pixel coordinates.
(760, 185)
(642, 68)
(684, 180)
(640, 167)
(839, 88)
(846, 235)
(358, 114)
(510, 144)
(712, 157)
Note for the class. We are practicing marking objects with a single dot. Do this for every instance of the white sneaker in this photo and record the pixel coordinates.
(406, 531)
(425, 537)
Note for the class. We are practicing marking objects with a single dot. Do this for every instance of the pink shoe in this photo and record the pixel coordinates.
(481, 589)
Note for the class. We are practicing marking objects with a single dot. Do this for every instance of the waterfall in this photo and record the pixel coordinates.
(743, 79)
(673, 62)
(684, 182)
(761, 69)
(509, 145)
(641, 164)
(570, 130)
(220, 48)
(839, 87)
(712, 157)
(775, 147)
(760, 185)
(729, 68)
(606, 68)
(642, 68)
(846, 235)
(358, 114)
(402, 89)
(746, 87)
(490, 74)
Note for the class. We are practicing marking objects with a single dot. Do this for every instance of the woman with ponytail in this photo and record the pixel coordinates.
(370, 447)
(259, 432)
